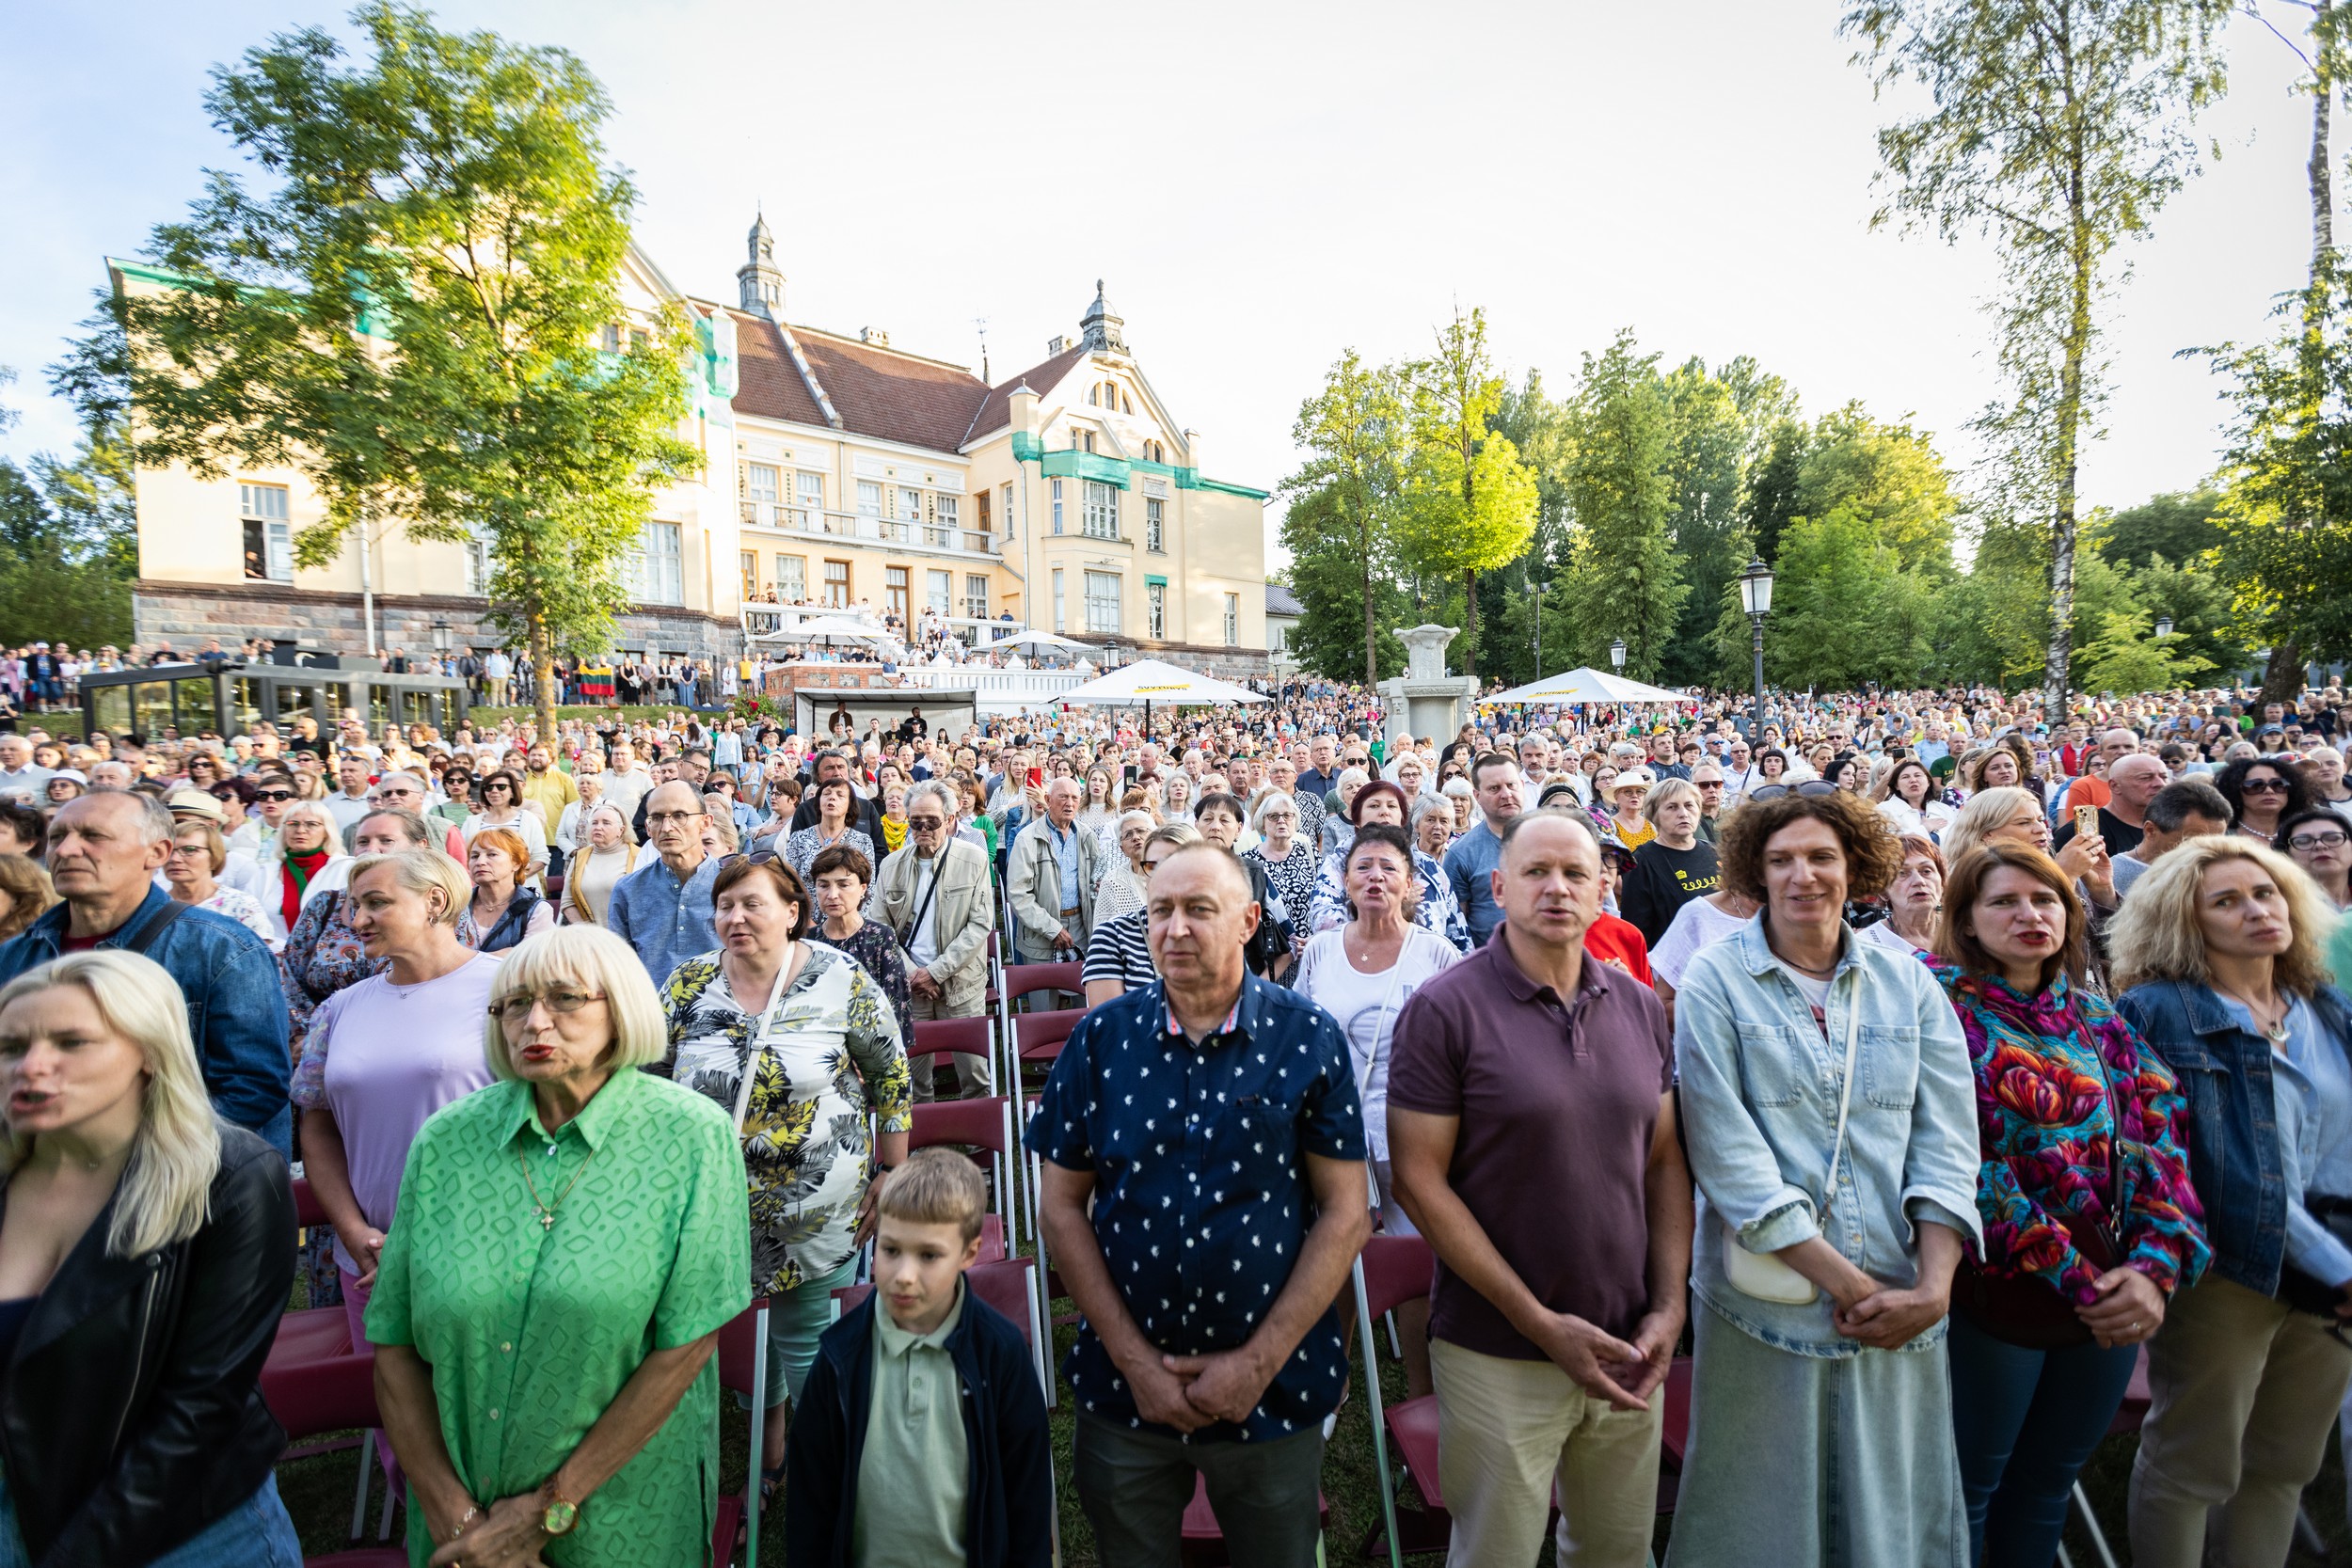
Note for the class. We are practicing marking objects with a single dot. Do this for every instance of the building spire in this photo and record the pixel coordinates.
(1101, 326)
(759, 284)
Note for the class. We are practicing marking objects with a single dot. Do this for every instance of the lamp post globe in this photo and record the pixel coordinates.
(2164, 626)
(1755, 597)
(1616, 654)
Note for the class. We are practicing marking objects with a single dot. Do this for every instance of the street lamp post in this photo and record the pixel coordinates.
(1755, 597)
(1616, 655)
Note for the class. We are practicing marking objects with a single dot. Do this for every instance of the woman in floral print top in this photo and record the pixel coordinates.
(2084, 1192)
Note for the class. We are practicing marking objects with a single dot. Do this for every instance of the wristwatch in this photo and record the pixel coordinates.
(559, 1515)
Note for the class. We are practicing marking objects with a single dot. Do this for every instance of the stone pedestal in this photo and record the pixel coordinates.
(1425, 700)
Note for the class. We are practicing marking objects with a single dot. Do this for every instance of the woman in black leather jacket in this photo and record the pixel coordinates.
(146, 1253)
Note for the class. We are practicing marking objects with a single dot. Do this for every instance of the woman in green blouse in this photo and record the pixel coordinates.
(568, 1242)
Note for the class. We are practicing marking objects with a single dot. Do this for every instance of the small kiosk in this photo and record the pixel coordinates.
(226, 694)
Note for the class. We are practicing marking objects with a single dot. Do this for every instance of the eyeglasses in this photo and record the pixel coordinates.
(2318, 840)
(273, 795)
(2263, 787)
(655, 819)
(926, 824)
(515, 1008)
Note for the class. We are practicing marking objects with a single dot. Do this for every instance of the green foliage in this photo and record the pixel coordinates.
(1771, 500)
(2178, 527)
(1341, 526)
(1470, 503)
(2057, 128)
(1846, 610)
(406, 309)
(2128, 656)
(1624, 579)
(69, 545)
(1889, 473)
(1707, 441)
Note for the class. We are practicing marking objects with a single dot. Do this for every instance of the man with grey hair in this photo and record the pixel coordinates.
(1054, 871)
(104, 852)
(17, 774)
(111, 774)
(934, 896)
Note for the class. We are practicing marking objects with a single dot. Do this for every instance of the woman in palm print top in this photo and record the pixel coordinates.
(821, 1045)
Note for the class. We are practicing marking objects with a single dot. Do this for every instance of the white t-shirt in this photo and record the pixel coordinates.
(1698, 925)
(1366, 1007)
(1882, 934)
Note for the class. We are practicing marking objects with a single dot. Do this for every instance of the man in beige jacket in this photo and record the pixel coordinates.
(936, 899)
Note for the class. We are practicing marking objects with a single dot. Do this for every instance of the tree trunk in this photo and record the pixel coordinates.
(2077, 347)
(543, 688)
(2323, 90)
(1372, 633)
(1469, 623)
(2282, 677)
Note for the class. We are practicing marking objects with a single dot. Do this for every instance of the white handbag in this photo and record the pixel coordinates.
(1762, 1275)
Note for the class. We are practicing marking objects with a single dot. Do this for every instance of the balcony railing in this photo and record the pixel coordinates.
(815, 523)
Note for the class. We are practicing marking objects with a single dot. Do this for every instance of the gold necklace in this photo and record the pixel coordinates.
(547, 1211)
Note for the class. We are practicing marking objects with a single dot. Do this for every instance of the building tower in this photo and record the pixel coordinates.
(759, 285)
(1099, 327)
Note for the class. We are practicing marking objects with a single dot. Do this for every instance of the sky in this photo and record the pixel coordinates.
(1260, 186)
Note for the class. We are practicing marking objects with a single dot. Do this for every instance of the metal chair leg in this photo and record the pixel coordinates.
(1379, 1425)
(367, 1474)
(2090, 1528)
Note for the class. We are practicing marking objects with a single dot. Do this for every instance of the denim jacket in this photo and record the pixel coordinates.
(2234, 1159)
(1760, 1091)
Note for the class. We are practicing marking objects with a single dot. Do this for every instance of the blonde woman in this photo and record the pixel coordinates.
(2006, 815)
(131, 1427)
(2219, 958)
(25, 893)
(608, 854)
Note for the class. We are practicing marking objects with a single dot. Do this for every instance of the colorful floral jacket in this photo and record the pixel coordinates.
(2052, 1071)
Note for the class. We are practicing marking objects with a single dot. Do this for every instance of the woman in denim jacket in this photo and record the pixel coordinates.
(2221, 949)
(2089, 1221)
(1821, 1410)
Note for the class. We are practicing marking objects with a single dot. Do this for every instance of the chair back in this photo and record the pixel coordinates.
(981, 1124)
(310, 1213)
(941, 1037)
(333, 1395)
(1023, 980)
(1040, 1036)
(1010, 1287)
(739, 1341)
(1397, 1269)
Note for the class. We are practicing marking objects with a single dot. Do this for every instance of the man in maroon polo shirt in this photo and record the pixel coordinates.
(1531, 1132)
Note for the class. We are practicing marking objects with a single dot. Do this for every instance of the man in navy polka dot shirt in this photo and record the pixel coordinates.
(1212, 1119)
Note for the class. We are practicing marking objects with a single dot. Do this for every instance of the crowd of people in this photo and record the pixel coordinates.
(1916, 1068)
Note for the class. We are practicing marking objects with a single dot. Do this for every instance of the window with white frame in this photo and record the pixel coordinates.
(1057, 506)
(477, 558)
(1233, 620)
(1060, 616)
(748, 563)
(939, 592)
(895, 593)
(838, 584)
(808, 500)
(1155, 521)
(791, 578)
(869, 506)
(1155, 601)
(1102, 601)
(909, 512)
(660, 564)
(1004, 509)
(949, 533)
(976, 596)
(268, 532)
(761, 495)
(1102, 510)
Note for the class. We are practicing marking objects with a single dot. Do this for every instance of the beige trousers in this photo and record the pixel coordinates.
(972, 1073)
(2245, 1390)
(1507, 1431)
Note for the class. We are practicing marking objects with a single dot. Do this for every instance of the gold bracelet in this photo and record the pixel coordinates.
(472, 1512)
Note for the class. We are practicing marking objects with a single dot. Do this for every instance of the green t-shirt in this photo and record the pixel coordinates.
(533, 1329)
(913, 1476)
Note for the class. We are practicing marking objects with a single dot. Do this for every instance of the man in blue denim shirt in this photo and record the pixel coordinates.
(663, 910)
(1212, 1120)
(1469, 864)
(104, 852)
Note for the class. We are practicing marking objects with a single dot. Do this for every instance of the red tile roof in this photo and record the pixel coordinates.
(877, 391)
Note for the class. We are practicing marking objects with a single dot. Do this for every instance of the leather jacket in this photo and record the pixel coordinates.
(130, 1414)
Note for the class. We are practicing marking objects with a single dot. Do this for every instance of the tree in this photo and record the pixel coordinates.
(1472, 501)
(1353, 432)
(1623, 578)
(1708, 443)
(69, 548)
(1518, 646)
(1845, 610)
(1770, 498)
(1889, 473)
(407, 311)
(2126, 656)
(2057, 128)
(2178, 527)
(1346, 614)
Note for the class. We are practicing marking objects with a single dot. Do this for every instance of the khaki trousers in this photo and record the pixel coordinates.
(972, 1074)
(1507, 1431)
(2245, 1390)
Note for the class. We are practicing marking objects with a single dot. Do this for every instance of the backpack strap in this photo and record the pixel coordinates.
(154, 926)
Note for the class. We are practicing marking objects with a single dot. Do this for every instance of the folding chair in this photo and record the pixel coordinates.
(743, 1369)
(1022, 982)
(310, 1332)
(987, 1125)
(335, 1394)
(1389, 1271)
(939, 1038)
(2128, 1418)
(1038, 1037)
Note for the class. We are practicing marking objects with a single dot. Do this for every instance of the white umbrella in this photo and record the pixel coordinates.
(1588, 685)
(1148, 681)
(1042, 641)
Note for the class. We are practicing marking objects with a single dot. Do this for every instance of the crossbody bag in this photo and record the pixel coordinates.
(1762, 1275)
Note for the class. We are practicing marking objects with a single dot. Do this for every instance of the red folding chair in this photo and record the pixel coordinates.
(743, 1369)
(939, 1038)
(1038, 1037)
(335, 1394)
(985, 1125)
(1389, 1271)
(1024, 982)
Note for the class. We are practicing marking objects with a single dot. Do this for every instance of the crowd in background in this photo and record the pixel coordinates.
(2004, 1056)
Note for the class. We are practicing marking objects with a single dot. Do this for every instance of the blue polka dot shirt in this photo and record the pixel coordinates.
(1201, 1199)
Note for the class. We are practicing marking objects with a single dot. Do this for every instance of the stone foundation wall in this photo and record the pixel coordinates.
(188, 613)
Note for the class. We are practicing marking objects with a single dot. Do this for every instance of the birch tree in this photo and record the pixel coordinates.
(2057, 129)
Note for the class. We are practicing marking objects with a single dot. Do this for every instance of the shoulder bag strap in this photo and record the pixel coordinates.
(1845, 1095)
(154, 926)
